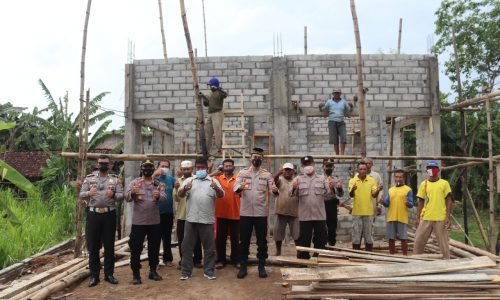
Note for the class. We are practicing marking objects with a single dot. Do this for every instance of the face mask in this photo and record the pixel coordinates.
(328, 172)
(165, 171)
(103, 167)
(229, 171)
(432, 172)
(187, 174)
(257, 162)
(148, 172)
(201, 174)
(309, 170)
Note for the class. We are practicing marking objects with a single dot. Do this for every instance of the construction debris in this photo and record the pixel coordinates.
(343, 273)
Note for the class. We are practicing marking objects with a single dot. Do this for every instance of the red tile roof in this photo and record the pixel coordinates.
(27, 163)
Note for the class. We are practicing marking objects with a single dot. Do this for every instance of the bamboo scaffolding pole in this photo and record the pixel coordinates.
(476, 216)
(492, 186)
(493, 96)
(162, 32)
(468, 164)
(204, 28)
(467, 238)
(196, 87)
(45, 292)
(359, 72)
(137, 157)
(78, 208)
(305, 40)
(399, 34)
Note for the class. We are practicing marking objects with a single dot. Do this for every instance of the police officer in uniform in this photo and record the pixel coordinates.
(145, 192)
(254, 184)
(99, 191)
(332, 202)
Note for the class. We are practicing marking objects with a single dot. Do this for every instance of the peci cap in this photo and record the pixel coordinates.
(307, 159)
(288, 166)
(328, 161)
(259, 151)
(148, 163)
(337, 91)
(432, 164)
(186, 164)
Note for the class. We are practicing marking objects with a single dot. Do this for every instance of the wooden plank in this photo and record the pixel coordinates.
(404, 286)
(297, 261)
(377, 253)
(341, 261)
(476, 295)
(411, 268)
(479, 277)
(357, 255)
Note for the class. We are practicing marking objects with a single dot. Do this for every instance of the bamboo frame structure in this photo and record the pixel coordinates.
(162, 32)
(82, 154)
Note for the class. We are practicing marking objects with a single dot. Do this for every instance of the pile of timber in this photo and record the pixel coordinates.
(42, 285)
(343, 273)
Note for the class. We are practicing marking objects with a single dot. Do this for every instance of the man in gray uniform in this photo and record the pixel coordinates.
(99, 191)
(145, 192)
(254, 183)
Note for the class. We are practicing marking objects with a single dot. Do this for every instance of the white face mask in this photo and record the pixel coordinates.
(309, 170)
(429, 172)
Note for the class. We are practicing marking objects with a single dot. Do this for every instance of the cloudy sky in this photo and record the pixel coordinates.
(43, 39)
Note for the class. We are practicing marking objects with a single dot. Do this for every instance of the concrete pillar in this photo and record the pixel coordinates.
(280, 102)
(133, 131)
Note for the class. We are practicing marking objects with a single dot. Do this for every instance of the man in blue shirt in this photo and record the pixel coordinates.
(163, 175)
(337, 109)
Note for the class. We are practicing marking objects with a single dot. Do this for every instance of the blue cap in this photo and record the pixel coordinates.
(214, 81)
(432, 164)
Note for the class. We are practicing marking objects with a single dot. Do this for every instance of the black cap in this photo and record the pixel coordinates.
(148, 163)
(259, 151)
(307, 159)
(328, 161)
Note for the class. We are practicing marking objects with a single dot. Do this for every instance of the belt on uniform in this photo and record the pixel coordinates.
(101, 210)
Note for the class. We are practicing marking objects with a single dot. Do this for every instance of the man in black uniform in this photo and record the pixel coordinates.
(332, 202)
(100, 191)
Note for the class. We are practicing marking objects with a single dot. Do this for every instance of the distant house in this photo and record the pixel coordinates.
(28, 163)
(115, 138)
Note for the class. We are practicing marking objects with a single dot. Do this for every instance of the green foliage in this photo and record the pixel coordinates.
(477, 28)
(39, 223)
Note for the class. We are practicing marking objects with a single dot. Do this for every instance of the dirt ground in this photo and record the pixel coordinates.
(226, 286)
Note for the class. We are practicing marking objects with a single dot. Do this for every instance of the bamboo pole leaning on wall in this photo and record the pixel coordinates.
(162, 32)
(359, 72)
(81, 164)
(196, 87)
(492, 185)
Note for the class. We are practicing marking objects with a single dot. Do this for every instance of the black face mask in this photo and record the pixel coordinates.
(229, 171)
(187, 175)
(148, 172)
(103, 167)
(257, 162)
(328, 172)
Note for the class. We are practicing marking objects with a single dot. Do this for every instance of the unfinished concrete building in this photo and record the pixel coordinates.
(281, 97)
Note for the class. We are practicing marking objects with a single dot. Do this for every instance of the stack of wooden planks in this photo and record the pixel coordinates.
(344, 273)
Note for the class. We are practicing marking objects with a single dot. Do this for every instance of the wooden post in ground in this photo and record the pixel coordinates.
(78, 209)
(199, 108)
(491, 183)
(162, 32)
(359, 72)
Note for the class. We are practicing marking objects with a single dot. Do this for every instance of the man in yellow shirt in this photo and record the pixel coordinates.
(433, 211)
(398, 200)
(362, 188)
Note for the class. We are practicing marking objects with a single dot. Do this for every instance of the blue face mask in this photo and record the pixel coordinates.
(201, 174)
(165, 171)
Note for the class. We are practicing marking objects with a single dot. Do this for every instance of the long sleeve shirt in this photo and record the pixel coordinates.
(256, 185)
(102, 184)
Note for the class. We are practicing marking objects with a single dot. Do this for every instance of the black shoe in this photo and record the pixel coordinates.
(137, 280)
(262, 272)
(93, 281)
(154, 276)
(111, 279)
(242, 272)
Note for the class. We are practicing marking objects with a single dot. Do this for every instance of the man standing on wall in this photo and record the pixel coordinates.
(254, 183)
(215, 103)
(337, 109)
(433, 211)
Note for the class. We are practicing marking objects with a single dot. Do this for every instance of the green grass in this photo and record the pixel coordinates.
(474, 233)
(31, 225)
